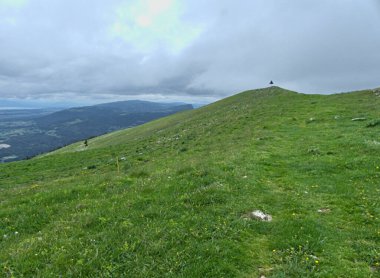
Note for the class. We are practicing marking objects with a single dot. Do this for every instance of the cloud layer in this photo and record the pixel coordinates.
(185, 50)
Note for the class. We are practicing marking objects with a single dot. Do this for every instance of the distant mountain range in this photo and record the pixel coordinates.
(28, 132)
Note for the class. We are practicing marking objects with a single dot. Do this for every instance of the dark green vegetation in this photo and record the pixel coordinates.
(168, 198)
(30, 132)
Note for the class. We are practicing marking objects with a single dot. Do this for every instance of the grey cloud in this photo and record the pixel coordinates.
(295, 44)
(53, 48)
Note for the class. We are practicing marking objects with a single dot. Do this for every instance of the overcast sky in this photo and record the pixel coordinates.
(185, 50)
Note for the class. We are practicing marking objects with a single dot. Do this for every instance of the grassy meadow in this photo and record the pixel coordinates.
(169, 198)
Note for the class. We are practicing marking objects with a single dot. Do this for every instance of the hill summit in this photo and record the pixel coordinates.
(174, 197)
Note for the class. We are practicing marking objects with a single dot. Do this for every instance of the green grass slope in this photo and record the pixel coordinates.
(169, 198)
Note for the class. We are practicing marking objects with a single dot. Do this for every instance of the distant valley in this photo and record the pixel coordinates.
(26, 133)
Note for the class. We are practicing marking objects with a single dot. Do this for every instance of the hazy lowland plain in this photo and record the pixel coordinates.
(172, 198)
(29, 132)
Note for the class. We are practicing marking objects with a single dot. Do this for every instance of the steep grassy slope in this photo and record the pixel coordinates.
(168, 198)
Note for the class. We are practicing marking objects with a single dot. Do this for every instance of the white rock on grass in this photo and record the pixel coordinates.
(259, 215)
(324, 210)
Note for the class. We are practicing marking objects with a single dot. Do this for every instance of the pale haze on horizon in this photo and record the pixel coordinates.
(191, 50)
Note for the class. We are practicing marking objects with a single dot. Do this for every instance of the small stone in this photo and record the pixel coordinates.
(324, 210)
(358, 119)
(259, 215)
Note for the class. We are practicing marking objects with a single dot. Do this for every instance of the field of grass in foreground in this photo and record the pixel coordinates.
(168, 199)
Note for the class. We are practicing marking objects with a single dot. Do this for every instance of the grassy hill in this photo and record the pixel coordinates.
(170, 198)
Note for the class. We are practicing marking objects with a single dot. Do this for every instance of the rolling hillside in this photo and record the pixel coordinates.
(30, 135)
(171, 198)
